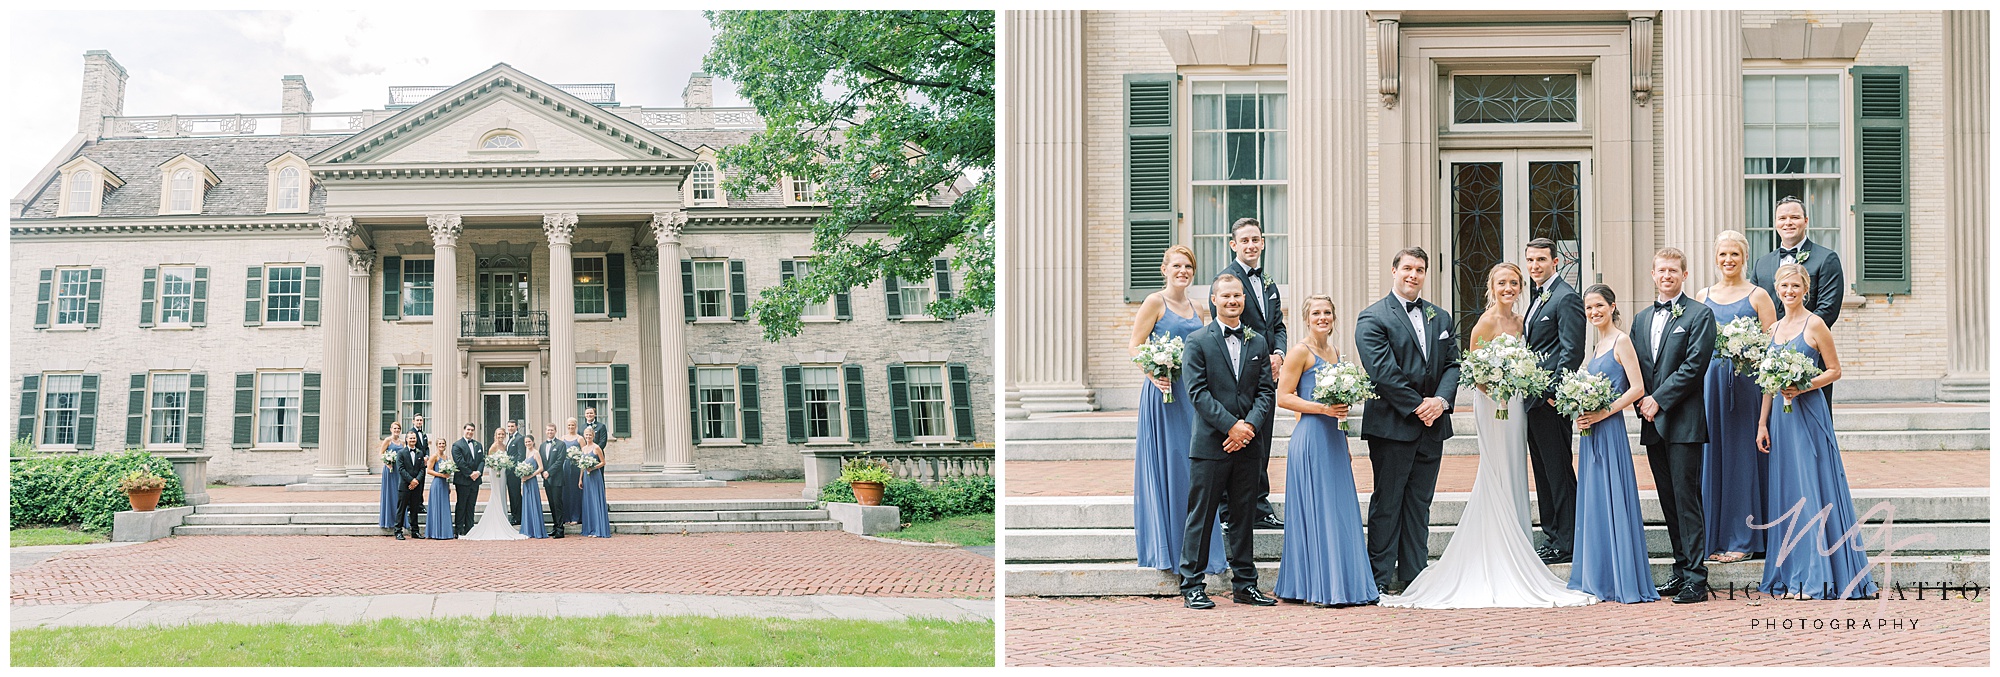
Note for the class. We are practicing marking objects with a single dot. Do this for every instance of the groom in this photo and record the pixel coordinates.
(1555, 332)
(1675, 338)
(1408, 348)
(1227, 365)
(470, 458)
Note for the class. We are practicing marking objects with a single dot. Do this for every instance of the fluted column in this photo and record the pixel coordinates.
(562, 318)
(677, 443)
(1328, 103)
(1042, 210)
(1967, 177)
(447, 385)
(361, 459)
(333, 414)
(1703, 105)
(646, 260)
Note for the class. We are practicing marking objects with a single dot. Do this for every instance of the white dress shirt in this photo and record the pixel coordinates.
(1417, 325)
(1235, 345)
(1662, 318)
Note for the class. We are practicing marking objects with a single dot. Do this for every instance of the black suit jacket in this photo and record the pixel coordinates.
(517, 448)
(1221, 397)
(1266, 315)
(410, 466)
(1402, 374)
(1829, 281)
(1555, 331)
(423, 440)
(1675, 379)
(598, 434)
(470, 457)
(556, 459)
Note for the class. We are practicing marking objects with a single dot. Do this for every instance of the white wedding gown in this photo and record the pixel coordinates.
(1490, 561)
(492, 525)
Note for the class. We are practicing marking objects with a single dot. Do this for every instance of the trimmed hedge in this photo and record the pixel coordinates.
(81, 489)
(954, 497)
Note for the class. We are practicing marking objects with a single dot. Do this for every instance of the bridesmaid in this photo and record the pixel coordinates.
(1733, 472)
(1325, 559)
(392, 496)
(1806, 473)
(1160, 467)
(437, 520)
(1610, 559)
(596, 511)
(531, 496)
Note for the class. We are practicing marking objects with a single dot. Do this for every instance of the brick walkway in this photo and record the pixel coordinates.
(1109, 631)
(1865, 470)
(249, 567)
(734, 490)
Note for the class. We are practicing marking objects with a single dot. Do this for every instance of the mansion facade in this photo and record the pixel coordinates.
(1353, 134)
(271, 291)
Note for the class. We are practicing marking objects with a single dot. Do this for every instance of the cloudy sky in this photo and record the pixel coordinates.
(212, 62)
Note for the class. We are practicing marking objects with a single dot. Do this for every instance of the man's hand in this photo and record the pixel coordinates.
(1277, 363)
(1430, 410)
(413, 484)
(475, 475)
(1648, 407)
(1239, 437)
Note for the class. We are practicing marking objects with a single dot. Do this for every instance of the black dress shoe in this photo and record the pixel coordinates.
(418, 534)
(1543, 551)
(1691, 594)
(1673, 587)
(1556, 557)
(399, 534)
(1270, 522)
(1197, 599)
(1252, 597)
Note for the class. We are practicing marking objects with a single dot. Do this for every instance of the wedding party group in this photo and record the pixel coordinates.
(1731, 386)
(568, 466)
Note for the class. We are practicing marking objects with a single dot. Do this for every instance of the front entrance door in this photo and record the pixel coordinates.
(501, 407)
(1498, 200)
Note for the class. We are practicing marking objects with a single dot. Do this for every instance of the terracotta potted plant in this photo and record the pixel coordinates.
(143, 489)
(866, 477)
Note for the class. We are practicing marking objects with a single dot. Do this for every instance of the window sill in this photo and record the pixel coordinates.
(173, 327)
(420, 319)
(714, 320)
(829, 443)
(284, 325)
(278, 448)
(56, 449)
(72, 327)
(937, 442)
(167, 448)
(820, 320)
(721, 444)
(593, 318)
(922, 319)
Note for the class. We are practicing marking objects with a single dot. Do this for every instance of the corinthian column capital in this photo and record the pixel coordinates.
(646, 259)
(360, 262)
(559, 227)
(337, 229)
(445, 229)
(667, 226)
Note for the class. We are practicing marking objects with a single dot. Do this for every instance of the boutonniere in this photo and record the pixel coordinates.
(1801, 256)
(1249, 334)
(1430, 313)
(1676, 313)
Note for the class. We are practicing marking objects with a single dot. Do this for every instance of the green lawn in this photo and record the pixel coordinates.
(51, 536)
(961, 530)
(520, 641)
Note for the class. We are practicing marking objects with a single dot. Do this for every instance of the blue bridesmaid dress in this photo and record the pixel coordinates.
(437, 518)
(596, 510)
(1326, 558)
(1733, 470)
(392, 499)
(531, 505)
(1610, 558)
(1805, 466)
(1160, 467)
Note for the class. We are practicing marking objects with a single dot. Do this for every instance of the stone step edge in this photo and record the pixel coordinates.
(824, 524)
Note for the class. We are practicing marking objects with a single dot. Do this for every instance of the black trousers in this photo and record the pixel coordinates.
(558, 494)
(461, 514)
(1209, 482)
(1262, 505)
(1399, 512)
(513, 498)
(1555, 475)
(406, 514)
(1677, 478)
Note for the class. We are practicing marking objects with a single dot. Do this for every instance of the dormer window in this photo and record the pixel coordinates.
(82, 192)
(183, 191)
(703, 181)
(503, 142)
(184, 181)
(703, 187)
(84, 183)
(289, 188)
(803, 191)
(290, 180)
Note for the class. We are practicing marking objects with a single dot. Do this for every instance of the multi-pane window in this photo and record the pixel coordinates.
(62, 395)
(1540, 98)
(927, 403)
(822, 310)
(183, 191)
(72, 295)
(418, 275)
(82, 187)
(416, 393)
(284, 293)
(279, 394)
(1792, 146)
(711, 289)
(593, 390)
(1239, 168)
(703, 182)
(502, 142)
(589, 285)
(717, 389)
(289, 188)
(915, 297)
(804, 191)
(176, 295)
(822, 386)
(167, 412)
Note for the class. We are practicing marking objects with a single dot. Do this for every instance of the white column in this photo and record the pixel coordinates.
(1328, 101)
(362, 432)
(333, 414)
(1042, 208)
(677, 445)
(1703, 105)
(1967, 133)
(562, 319)
(651, 426)
(446, 383)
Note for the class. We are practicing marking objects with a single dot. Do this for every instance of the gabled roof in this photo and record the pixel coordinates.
(238, 161)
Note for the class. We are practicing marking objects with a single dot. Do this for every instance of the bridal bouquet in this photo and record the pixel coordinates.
(446, 467)
(1785, 367)
(1506, 368)
(497, 460)
(1344, 383)
(1743, 342)
(1582, 392)
(1160, 357)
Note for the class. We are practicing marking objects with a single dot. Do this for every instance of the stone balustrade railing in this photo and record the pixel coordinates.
(929, 466)
(294, 124)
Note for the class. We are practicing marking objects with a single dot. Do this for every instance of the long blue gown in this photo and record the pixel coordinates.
(392, 499)
(596, 511)
(437, 518)
(1733, 470)
(1160, 467)
(1805, 466)
(531, 505)
(1326, 558)
(1610, 558)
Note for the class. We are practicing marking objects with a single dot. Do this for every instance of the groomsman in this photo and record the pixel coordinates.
(423, 446)
(517, 451)
(1410, 350)
(1555, 331)
(1822, 266)
(1263, 312)
(1675, 339)
(470, 457)
(1227, 368)
(560, 480)
(595, 432)
(409, 471)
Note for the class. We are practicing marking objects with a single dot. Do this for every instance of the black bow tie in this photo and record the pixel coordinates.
(1253, 272)
(1412, 306)
(1793, 252)
(1236, 332)
(1662, 305)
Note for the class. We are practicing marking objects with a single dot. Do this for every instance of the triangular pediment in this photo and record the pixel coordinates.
(547, 125)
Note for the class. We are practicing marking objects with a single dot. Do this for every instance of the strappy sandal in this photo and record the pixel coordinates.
(1728, 557)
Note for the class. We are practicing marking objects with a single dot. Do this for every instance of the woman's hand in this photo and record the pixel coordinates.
(1792, 393)
(1764, 439)
(1165, 385)
(1336, 410)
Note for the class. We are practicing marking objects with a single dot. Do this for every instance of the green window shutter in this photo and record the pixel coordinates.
(86, 414)
(197, 409)
(199, 315)
(309, 307)
(390, 403)
(244, 433)
(899, 404)
(31, 400)
(942, 275)
(746, 397)
(614, 287)
(135, 413)
(42, 294)
(961, 401)
(1149, 180)
(857, 406)
(785, 271)
(739, 293)
(309, 410)
(1882, 196)
(843, 307)
(253, 297)
(892, 297)
(147, 295)
(694, 407)
(621, 400)
(392, 291)
(795, 406)
(687, 289)
(92, 307)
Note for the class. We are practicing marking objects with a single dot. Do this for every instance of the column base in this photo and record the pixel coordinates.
(1966, 387)
(1038, 402)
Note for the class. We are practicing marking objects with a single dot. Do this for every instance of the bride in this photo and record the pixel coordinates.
(1491, 561)
(492, 524)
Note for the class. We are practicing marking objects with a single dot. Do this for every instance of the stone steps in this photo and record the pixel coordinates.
(627, 517)
(1125, 425)
(616, 528)
(1465, 444)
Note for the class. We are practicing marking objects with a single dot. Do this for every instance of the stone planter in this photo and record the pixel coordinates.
(144, 500)
(193, 471)
(867, 493)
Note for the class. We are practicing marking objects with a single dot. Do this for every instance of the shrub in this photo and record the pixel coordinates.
(864, 469)
(82, 489)
(919, 503)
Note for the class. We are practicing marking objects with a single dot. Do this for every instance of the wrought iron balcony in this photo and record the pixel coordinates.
(533, 323)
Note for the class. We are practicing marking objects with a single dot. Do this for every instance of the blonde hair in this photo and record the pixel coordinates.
(1492, 298)
(1305, 312)
(1792, 270)
(1733, 237)
(1167, 257)
(1673, 254)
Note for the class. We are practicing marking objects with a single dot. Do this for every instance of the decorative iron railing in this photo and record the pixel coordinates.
(532, 323)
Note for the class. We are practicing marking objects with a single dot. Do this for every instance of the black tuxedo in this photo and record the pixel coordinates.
(1555, 330)
(517, 451)
(1267, 316)
(409, 467)
(1675, 436)
(1403, 452)
(1222, 396)
(596, 433)
(470, 457)
(559, 484)
(1829, 284)
(423, 440)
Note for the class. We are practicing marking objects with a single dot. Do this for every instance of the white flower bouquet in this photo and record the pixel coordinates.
(584, 460)
(1160, 357)
(1743, 342)
(497, 460)
(1343, 383)
(446, 467)
(1506, 368)
(388, 458)
(1582, 392)
(1785, 367)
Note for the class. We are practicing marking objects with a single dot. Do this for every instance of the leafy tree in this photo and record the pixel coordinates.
(882, 110)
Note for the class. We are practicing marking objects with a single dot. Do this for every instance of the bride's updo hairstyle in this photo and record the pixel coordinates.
(1492, 298)
(1610, 299)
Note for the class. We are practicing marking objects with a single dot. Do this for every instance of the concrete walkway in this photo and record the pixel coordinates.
(361, 609)
(27, 556)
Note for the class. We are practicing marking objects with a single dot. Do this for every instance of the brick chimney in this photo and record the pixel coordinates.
(699, 92)
(295, 99)
(103, 92)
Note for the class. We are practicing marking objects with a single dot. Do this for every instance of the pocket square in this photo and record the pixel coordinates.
(1680, 330)
(1444, 335)
(1546, 318)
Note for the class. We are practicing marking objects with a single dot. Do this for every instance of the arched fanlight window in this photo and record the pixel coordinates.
(81, 187)
(183, 190)
(288, 188)
(502, 142)
(704, 182)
